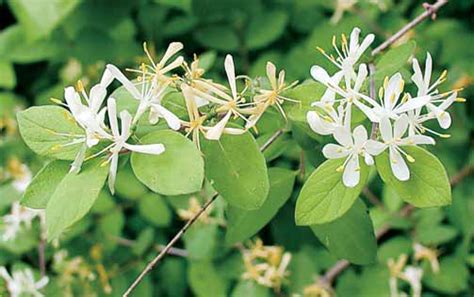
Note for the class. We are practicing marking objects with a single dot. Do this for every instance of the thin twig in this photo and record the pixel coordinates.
(372, 197)
(166, 249)
(341, 265)
(41, 256)
(430, 11)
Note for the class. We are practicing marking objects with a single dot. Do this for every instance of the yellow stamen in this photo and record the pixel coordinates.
(410, 159)
(381, 92)
(320, 50)
(340, 168)
(55, 100)
(444, 135)
(79, 86)
(385, 82)
(459, 99)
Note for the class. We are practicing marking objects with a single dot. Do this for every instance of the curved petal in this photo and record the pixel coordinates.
(392, 91)
(318, 125)
(400, 126)
(128, 85)
(343, 136)
(112, 108)
(412, 103)
(428, 67)
(351, 174)
(398, 165)
(171, 119)
(320, 74)
(364, 46)
(234, 131)
(334, 151)
(96, 97)
(418, 139)
(230, 71)
(386, 129)
(360, 136)
(151, 149)
(113, 172)
(354, 39)
(106, 79)
(271, 74)
(215, 132)
(374, 147)
(369, 160)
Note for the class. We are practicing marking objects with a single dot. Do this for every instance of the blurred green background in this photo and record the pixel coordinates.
(46, 45)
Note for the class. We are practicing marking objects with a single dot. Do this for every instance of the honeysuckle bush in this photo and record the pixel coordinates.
(130, 140)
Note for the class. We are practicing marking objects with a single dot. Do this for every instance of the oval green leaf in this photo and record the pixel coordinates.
(242, 224)
(351, 236)
(324, 197)
(74, 197)
(428, 185)
(237, 170)
(48, 129)
(179, 170)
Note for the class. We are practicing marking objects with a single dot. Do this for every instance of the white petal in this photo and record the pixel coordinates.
(412, 103)
(417, 78)
(334, 151)
(113, 172)
(369, 112)
(369, 160)
(96, 97)
(374, 147)
(400, 126)
(361, 76)
(271, 74)
(351, 175)
(112, 108)
(152, 149)
(364, 45)
(215, 132)
(230, 70)
(360, 136)
(354, 39)
(106, 79)
(171, 119)
(398, 165)
(318, 125)
(343, 136)
(234, 131)
(78, 160)
(320, 74)
(418, 139)
(131, 88)
(172, 49)
(392, 92)
(73, 100)
(386, 129)
(126, 118)
(428, 66)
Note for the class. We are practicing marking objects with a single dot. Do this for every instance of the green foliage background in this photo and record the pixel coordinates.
(46, 45)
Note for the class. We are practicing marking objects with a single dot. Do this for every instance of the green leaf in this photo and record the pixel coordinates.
(179, 170)
(324, 197)
(246, 288)
(8, 77)
(351, 236)
(221, 38)
(306, 93)
(48, 130)
(264, 28)
(205, 281)
(153, 208)
(201, 241)
(393, 61)
(428, 185)
(444, 281)
(39, 18)
(44, 184)
(237, 170)
(74, 197)
(243, 224)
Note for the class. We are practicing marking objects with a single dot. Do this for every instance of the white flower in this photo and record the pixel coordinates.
(120, 138)
(329, 120)
(350, 53)
(19, 173)
(320, 74)
(413, 276)
(422, 81)
(393, 139)
(90, 116)
(350, 147)
(23, 283)
(230, 104)
(149, 92)
(18, 218)
(390, 105)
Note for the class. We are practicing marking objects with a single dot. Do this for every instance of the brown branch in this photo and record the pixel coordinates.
(166, 249)
(430, 11)
(341, 265)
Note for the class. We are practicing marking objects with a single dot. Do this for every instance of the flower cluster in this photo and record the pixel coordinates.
(23, 283)
(400, 115)
(210, 106)
(267, 265)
